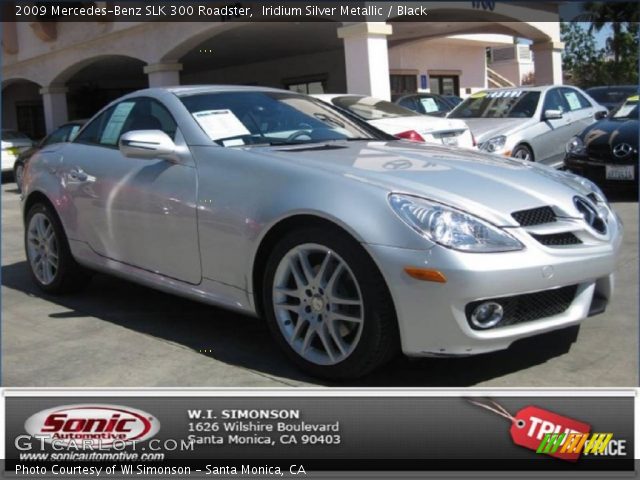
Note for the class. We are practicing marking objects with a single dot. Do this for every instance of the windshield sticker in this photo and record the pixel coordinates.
(116, 122)
(429, 105)
(635, 98)
(478, 95)
(220, 124)
(506, 94)
(573, 100)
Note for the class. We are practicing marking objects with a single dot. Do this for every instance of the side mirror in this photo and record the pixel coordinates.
(552, 114)
(146, 144)
(600, 114)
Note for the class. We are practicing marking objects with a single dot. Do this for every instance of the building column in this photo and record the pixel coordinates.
(367, 58)
(54, 101)
(163, 74)
(547, 62)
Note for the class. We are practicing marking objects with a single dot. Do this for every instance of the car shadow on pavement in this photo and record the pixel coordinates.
(245, 342)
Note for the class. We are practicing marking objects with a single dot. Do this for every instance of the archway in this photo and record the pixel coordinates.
(94, 82)
(22, 107)
(306, 56)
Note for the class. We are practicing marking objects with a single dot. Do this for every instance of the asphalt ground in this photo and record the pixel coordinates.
(118, 334)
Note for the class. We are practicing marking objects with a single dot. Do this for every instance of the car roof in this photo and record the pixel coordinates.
(182, 90)
(528, 88)
(330, 96)
(611, 87)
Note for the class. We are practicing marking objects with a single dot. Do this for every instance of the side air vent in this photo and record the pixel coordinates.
(535, 216)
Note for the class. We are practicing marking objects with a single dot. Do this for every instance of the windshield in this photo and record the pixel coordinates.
(628, 110)
(610, 95)
(369, 108)
(13, 135)
(498, 104)
(233, 119)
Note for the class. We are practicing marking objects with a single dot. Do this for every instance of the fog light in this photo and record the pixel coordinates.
(487, 315)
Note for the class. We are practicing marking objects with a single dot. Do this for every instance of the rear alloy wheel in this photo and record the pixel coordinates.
(327, 305)
(51, 264)
(523, 153)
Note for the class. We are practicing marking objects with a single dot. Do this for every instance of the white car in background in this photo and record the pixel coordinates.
(529, 123)
(402, 122)
(13, 144)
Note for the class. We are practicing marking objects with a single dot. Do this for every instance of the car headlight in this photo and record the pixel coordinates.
(494, 144)
(575, 146)
(450, 227)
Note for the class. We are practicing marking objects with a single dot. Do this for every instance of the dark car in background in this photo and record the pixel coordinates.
(427, 103)
(607, 151)
(63, 133)
(612, 96)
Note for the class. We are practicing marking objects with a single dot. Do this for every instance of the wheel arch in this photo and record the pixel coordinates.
(525, 143)
(37, 197)
(279, 230)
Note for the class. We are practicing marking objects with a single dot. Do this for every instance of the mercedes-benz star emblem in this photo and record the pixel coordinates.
(622, 150)
(590, 214)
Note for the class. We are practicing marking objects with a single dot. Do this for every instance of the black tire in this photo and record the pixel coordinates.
(523, 152)
(17, 175)
(379, 339)
(69, 276)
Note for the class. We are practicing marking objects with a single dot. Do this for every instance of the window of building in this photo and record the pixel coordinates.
(403, 83)
(310, 85)
(445, 84)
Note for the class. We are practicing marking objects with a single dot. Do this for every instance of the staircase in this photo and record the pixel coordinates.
(495, 80)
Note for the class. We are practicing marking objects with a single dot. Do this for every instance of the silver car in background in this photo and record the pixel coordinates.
(531, 123)
(350, 245)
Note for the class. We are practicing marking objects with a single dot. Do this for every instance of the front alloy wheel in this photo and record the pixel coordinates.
(318, 304)
(523, 153)
(327, 305)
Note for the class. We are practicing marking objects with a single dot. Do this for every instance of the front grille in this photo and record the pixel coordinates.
(534, 216)
(529, 306)
(558, 239)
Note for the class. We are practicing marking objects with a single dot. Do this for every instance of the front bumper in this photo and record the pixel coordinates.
(432, 317)
(595, 170)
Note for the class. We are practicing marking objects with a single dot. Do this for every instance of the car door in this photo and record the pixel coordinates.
(141, 212)
(549, 145)
(582, 112)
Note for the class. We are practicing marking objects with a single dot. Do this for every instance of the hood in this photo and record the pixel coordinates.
(612, 130)
(486, 128)
(421, 124)
(488, 186)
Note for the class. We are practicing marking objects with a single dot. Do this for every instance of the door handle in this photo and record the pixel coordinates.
(77, 175)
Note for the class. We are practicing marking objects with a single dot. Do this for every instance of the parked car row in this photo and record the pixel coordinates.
(350, 243)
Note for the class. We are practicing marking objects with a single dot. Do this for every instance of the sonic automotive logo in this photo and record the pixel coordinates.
(92, 425)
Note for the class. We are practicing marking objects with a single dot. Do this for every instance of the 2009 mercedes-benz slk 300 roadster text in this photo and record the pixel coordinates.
(349, 243)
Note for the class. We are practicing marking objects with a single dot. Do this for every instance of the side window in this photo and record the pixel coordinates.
(59, 135)
(135, 114)
(149, 114)
(92, 133)
(555, 101)
(408, 102)
(575, 99)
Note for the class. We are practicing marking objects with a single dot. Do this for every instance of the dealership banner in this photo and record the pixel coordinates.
(299, 435)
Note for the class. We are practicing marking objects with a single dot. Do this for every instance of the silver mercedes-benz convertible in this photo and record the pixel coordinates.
(352, 245)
